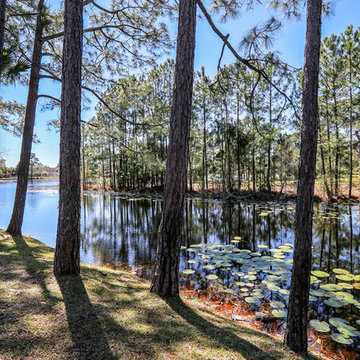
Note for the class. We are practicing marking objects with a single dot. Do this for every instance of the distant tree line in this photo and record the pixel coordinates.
(240, 139)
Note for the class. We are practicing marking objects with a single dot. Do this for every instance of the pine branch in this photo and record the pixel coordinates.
(244, 61)
(53, 76)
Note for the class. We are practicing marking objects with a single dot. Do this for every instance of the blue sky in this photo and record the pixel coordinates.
(289, 42)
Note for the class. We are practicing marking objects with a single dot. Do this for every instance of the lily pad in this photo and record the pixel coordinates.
(279, 313)
(284, 291)
(209, 267)
(273, 287)
(348, 330)
(320, 274)
(275, 250)
(345, 277)
(341, 339)
(347, 286)
(337, 321)
(333, 303)
(340, 271)
(344, 296)
(252, 299)
(314, 280)
(321, 326)
(250, 277)
(226, 264)
(188, 272)
(318, 293)
(212, 277)
(277, 305)
(192, 261)
(330, 287)
(258, 293)
(238, 273)
(262, 246)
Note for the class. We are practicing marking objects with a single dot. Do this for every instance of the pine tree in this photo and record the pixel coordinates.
(67, 251)
(166, 277)
(297, 319)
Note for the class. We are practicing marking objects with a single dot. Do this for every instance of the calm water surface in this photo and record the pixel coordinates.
(116, 229)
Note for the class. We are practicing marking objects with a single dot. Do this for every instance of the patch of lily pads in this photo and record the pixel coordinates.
(263, 277)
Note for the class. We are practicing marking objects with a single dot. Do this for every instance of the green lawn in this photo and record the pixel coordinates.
(108, 314)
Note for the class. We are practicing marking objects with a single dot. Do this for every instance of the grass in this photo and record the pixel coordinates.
(108, 314)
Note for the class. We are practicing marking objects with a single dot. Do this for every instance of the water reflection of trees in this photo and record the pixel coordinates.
(118, 230)
(336, 233)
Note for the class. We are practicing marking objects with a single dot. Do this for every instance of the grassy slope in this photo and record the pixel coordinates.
(108, 314)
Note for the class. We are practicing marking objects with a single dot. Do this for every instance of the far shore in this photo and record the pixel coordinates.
(287, 193)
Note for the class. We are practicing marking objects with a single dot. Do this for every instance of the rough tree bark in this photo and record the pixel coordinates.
(16, 220)
(351, 125)
(166, 278)
(2, 29)
(268, 173)
(297, 319)
(67, 258)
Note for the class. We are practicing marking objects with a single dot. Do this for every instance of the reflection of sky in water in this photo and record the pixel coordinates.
(40, 217)
(118, 230)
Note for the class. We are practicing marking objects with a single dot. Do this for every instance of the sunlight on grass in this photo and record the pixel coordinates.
(108, 314)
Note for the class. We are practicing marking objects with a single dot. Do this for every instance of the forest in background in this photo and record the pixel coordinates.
(242, 137)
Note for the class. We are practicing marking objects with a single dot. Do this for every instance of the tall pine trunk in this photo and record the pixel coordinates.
(166, 277)
(205, 165)
(253, 166)
(268, 173)
(329, 150)
(16, 220)
(297, 319)
(2, 29)
(323, 168)
(67, 252)
(351, 127)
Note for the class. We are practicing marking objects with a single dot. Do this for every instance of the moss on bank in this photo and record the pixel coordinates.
(108, 314)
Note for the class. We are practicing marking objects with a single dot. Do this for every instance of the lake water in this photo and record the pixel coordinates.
(118, 231)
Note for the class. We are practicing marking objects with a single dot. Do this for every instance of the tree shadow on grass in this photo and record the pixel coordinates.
(88, 336)
(34, 268)
(225, 336)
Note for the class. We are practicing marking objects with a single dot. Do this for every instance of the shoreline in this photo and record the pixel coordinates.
(288, 194)
(225, 197)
